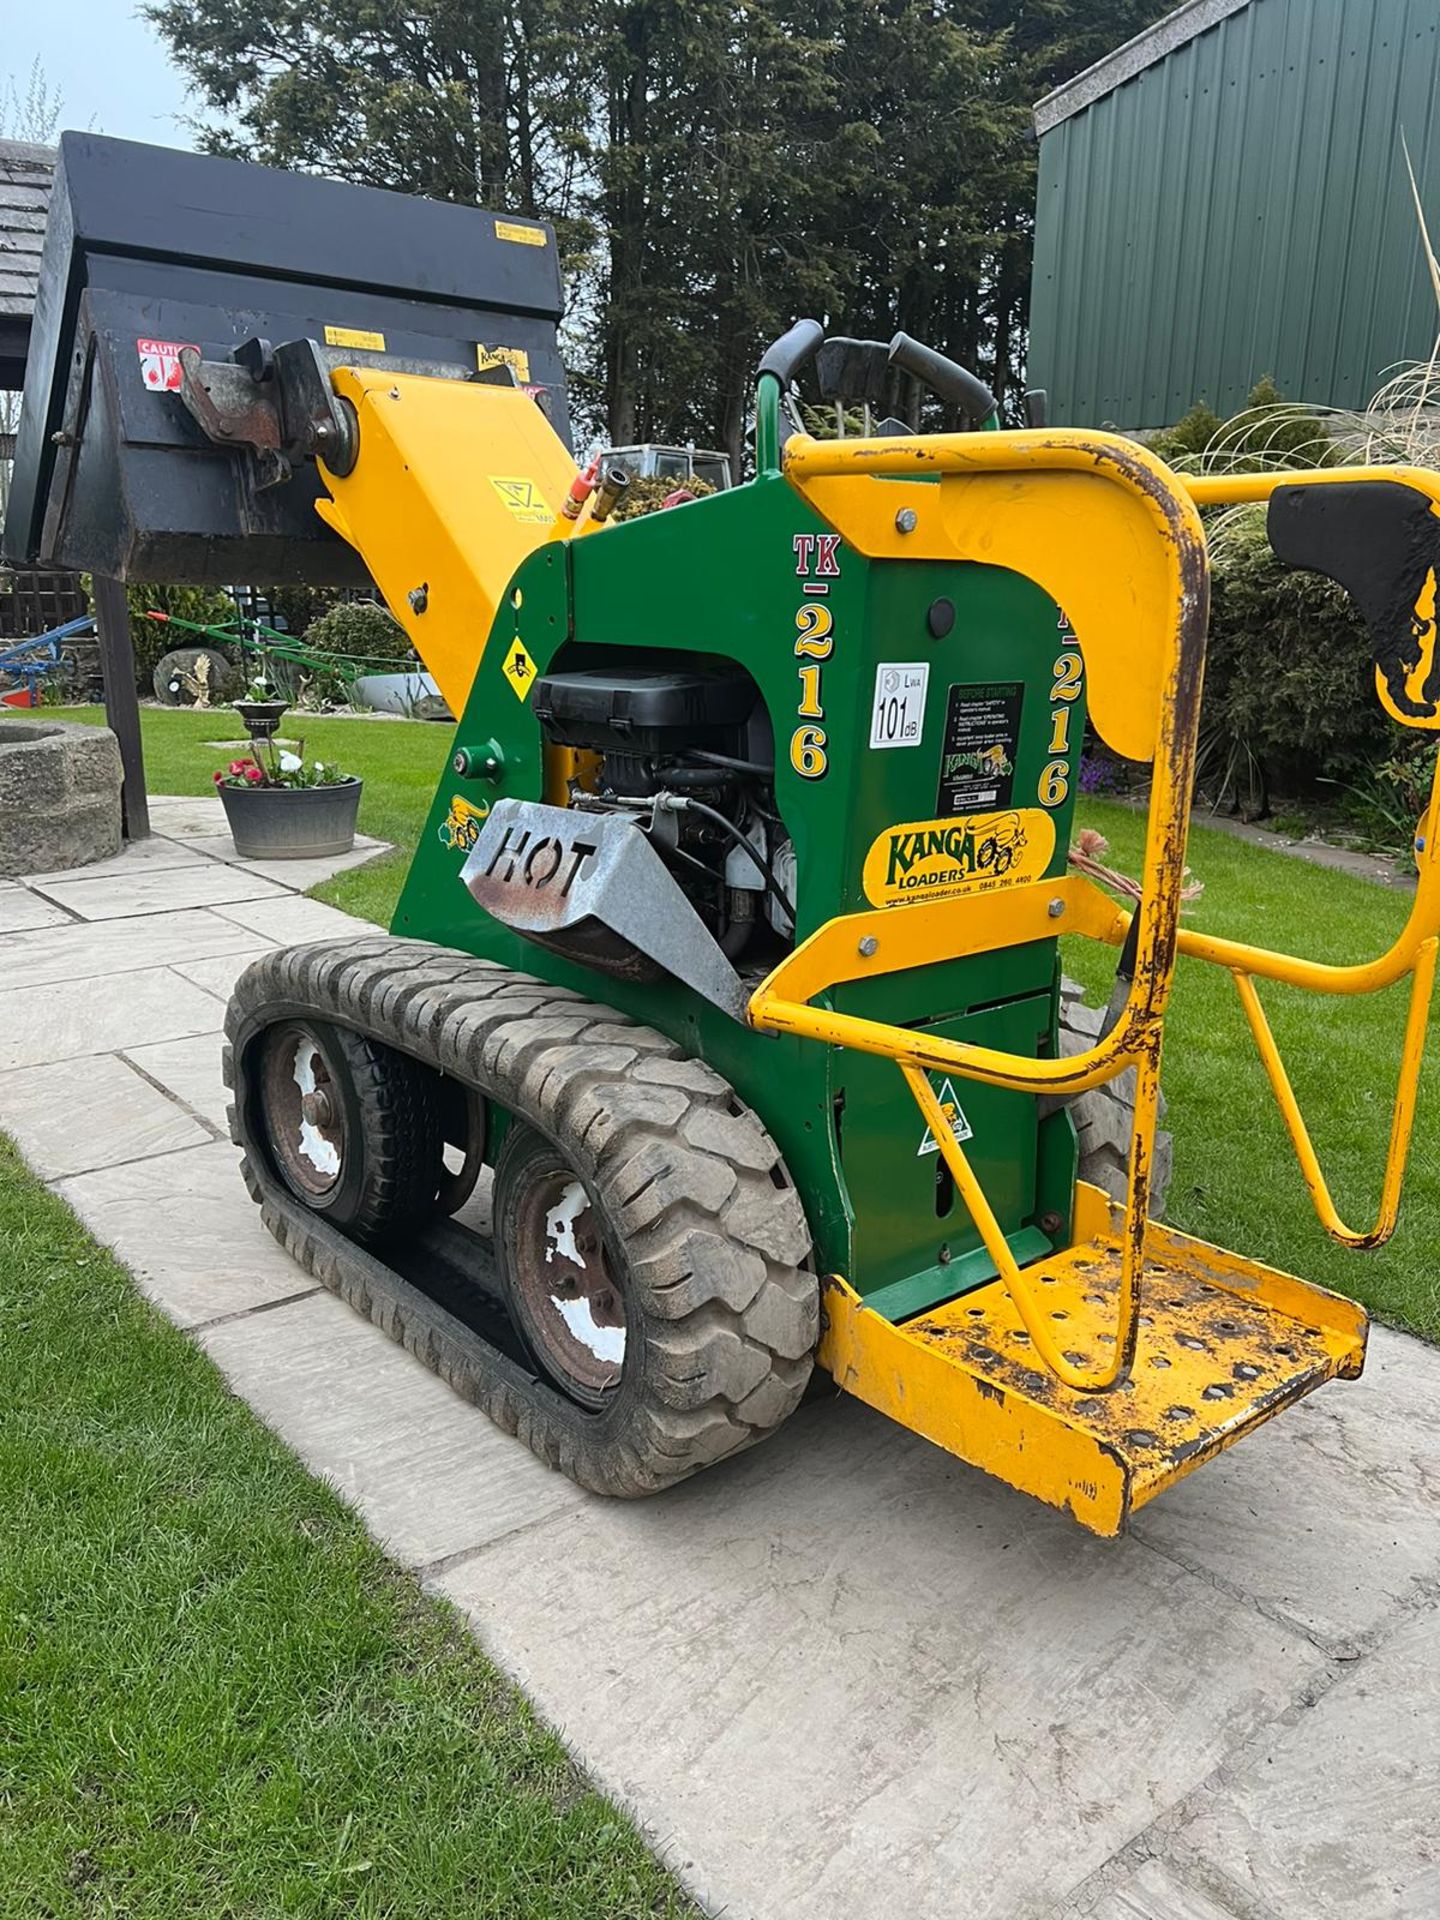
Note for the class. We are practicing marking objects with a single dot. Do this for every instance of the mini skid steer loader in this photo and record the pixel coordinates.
(731, 942)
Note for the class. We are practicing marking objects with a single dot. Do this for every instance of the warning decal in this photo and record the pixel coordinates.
(522, 236)
(524, 499)
(355, 337)
(979, 746)
(519, 670)
(160, 363)
(954, 1113)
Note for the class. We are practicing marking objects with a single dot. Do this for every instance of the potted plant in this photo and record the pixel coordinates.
(259, 708)
(281, 807)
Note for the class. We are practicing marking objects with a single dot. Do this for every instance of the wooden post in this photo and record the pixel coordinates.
(122, 706)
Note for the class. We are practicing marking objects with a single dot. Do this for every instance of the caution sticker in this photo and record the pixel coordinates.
(519, 670)
(522, 236)
(954, 1113)
(160, 363)
(524, 499)
(516, 357)
(355, 337)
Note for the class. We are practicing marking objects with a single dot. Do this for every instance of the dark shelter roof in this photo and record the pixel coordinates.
(26, 172)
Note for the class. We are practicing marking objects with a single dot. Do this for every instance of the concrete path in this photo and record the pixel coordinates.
(841, 1677)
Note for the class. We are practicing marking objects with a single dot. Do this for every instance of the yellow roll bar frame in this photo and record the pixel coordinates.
(855, 946)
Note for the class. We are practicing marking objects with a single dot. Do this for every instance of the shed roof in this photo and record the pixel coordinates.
(26, 174)
(1143, 51)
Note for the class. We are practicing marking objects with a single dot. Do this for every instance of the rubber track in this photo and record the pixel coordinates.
(1103, 1115)
(714, 1229)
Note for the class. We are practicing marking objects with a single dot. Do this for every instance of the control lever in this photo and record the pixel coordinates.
(792, 351)
(946, 379)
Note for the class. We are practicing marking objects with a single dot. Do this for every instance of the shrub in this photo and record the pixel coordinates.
(364, 632)
(295, 608)
(1289, 680)
(1290, 675)
(1183, 444)
(149, 639)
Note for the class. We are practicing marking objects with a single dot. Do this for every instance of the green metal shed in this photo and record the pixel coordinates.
(1226, 197)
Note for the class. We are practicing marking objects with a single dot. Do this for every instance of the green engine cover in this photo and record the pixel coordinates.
(909, 700)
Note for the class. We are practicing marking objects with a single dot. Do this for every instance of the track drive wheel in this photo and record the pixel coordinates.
(654, 1259)
(351, 1127)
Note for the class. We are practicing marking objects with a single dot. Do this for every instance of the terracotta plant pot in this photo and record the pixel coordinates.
(292, 823)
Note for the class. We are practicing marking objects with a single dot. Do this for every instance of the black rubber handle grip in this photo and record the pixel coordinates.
(792, 350)
(945, 378)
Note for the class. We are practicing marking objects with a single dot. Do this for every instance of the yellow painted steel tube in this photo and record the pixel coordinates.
(1239, 489)
(1318, 976)
(1402, 1119)
(1033, 1316)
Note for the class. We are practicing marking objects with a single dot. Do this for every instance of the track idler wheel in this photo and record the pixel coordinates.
(352, 1128)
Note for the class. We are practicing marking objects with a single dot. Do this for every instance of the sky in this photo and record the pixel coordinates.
(105, 60)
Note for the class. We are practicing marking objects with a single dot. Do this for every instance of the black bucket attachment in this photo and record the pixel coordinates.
(148, 251)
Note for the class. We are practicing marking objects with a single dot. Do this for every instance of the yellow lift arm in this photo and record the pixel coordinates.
(455, 483)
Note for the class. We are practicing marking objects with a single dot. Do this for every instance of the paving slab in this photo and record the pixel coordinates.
(218, 976)
(155, 854)
(190, 1070)
(73, 1115)
(96, 949)
(141, 890)
(22, 911)
(431, 1474)
(1358, 1463)
(70, 1018)
(185, 816)
(293, 919)
(1155, 1892)
(1337, 1817)
(297, 875)
(185, 1226)
(844, 1675)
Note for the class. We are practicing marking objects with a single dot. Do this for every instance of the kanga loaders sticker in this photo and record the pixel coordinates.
(942, 859)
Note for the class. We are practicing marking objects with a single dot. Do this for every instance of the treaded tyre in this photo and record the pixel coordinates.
(1104, 1115)
(351, 1127)
(711, 1249)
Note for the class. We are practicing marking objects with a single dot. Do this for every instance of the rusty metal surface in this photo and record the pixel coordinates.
(1210, 1364)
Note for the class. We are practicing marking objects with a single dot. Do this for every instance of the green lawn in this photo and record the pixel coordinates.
(219, 1698)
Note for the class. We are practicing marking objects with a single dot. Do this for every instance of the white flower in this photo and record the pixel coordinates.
(290, 763)
(319, 766)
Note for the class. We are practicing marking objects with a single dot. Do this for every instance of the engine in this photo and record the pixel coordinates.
(685, 746)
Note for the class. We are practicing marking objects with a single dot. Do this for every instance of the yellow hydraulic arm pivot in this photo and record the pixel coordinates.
(455, 483)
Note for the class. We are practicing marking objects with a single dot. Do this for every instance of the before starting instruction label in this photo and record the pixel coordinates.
(978, 748)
